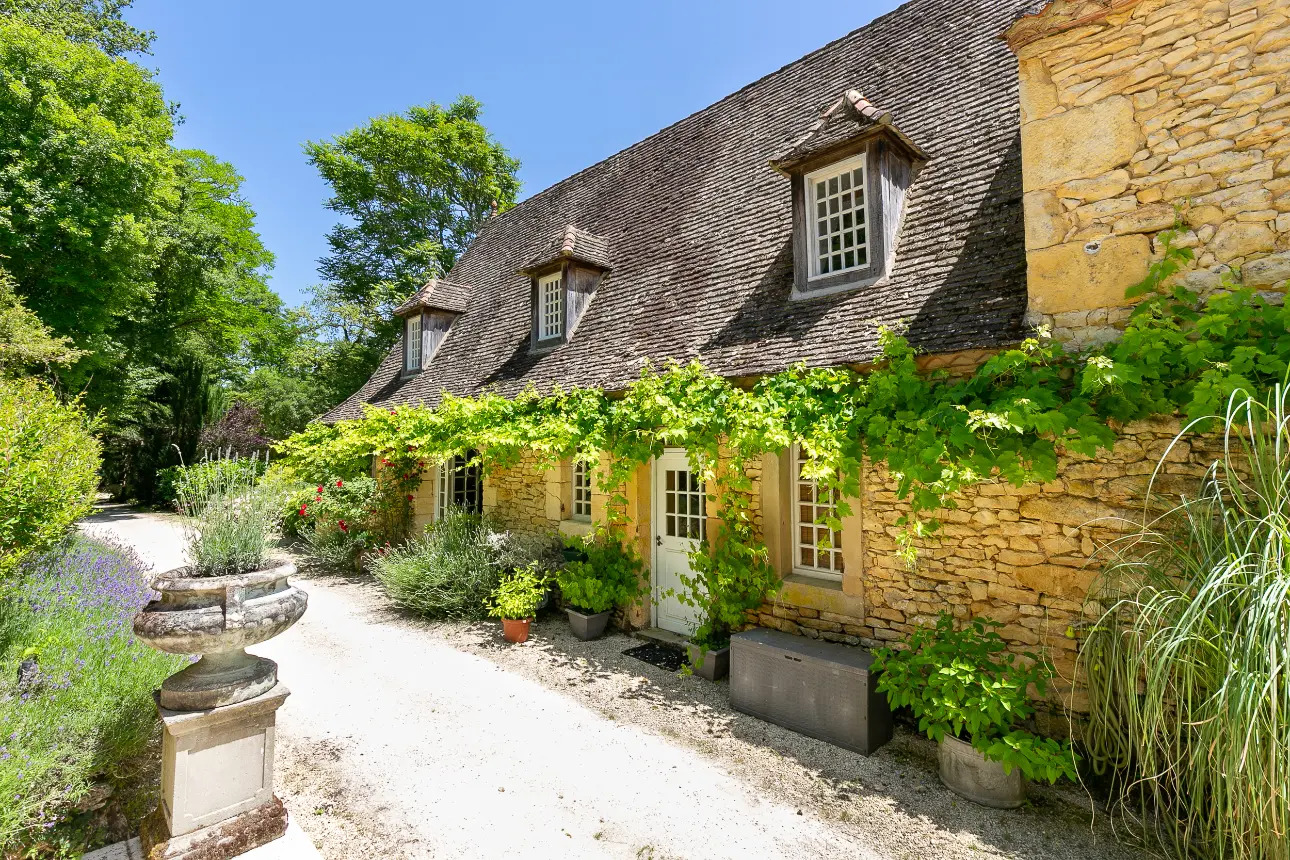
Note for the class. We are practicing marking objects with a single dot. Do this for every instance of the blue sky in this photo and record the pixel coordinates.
(255, 80)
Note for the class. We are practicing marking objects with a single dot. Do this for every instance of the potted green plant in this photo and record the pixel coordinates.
(608, 575)
(231, 596)
(516, 599)
(729, 579)
(969, 694)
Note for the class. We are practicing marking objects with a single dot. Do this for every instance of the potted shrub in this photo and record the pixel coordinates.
(969, 694)
(607, 576)
(516, 599)
(730, 578)
(231, 596)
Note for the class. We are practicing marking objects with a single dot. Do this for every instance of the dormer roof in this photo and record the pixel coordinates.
(848, 118)
(437, 295)
(571, 243)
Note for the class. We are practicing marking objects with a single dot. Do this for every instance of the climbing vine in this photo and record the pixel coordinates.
(936, 433)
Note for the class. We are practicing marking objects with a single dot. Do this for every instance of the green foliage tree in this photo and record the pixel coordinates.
(86, 171)
(90, 22)
(413, 189)
(26, 344)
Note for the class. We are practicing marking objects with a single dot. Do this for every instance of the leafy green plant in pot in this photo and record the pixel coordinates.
(608, 576)
(231, 596)
(969, 694)
(516, 600)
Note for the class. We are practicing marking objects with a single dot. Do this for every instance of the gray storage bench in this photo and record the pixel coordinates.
(818, 688)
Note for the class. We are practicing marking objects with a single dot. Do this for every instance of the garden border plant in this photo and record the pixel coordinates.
(935, 433)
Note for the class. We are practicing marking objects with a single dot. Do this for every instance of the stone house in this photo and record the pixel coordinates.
(966, 168)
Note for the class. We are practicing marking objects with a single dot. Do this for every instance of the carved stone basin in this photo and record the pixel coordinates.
(218, 617)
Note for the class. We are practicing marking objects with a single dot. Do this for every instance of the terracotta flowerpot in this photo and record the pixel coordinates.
(516, 629)
(969, 774)
(218, 617)
(587, 626)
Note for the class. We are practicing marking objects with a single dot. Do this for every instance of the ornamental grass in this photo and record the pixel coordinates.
(75, 685)
(1189, 663)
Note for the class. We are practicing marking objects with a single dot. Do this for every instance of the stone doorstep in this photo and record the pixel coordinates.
(294, 845)
(664, 637)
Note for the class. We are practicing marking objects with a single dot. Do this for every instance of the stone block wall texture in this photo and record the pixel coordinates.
(516, 496)
(1136, 112)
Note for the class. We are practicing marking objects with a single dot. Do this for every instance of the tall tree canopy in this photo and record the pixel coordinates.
(91, 22)
(414, 188)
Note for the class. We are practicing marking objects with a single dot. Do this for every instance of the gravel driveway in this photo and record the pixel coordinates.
(408, 739)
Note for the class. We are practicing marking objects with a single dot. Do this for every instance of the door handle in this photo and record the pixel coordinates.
(658, 540)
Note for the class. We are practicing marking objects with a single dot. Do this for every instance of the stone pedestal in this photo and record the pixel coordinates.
(217, 796)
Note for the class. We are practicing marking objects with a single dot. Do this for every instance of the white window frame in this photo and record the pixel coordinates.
(413, 344)
(817, 529)
(445, 474)
(580, 492)
(550, 307)
(826, 174)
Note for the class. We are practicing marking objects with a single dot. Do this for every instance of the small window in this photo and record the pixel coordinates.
(412, 343)
(581, 492)
(459, 486)
(817, 549)
(550, 296)
(839, 220)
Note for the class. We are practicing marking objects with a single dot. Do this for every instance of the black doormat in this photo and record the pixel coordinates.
(658, 654)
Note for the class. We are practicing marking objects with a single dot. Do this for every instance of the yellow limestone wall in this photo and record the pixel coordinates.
(1135, 112)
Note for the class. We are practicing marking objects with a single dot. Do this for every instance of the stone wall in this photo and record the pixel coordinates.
(1135, 112)
(1024, 556)
(517, 496)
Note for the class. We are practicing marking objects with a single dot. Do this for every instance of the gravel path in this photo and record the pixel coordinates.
(408, 739)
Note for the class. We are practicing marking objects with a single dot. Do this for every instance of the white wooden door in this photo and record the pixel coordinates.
(680, 522)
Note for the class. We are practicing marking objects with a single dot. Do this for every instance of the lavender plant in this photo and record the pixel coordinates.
(75, 685)
(233, 521)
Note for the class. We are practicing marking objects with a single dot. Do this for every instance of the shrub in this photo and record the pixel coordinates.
(610, 576)
(449, 571)
(519, 594)
(198, 479)
(1187, 665)
(85, 706)
(967, 685)
(234, 520)
(48, 470)
(340, 522)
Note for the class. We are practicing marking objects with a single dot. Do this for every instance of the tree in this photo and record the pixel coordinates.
(86, 171)
(26, 344)
(90, 22)
(416, 185)
(414, 188)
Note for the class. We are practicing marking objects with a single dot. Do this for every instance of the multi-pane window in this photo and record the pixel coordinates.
(459, 486)
(817, 549)
(839, 222)
(412, 342)
(550, 307)
(685, 506)
(581, 492)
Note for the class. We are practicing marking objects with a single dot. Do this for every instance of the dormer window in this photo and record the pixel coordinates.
(427, 317)
(839, 226)
(550, 306)
(850, 172)
(412, 342)
(564, 275)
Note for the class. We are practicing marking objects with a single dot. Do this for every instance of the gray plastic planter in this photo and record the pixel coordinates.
(969, 774)
(587, 627)
(709, 664)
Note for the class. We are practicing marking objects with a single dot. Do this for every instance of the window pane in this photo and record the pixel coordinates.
(841, 198)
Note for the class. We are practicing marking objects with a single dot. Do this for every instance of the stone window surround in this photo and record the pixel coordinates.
(845, 597)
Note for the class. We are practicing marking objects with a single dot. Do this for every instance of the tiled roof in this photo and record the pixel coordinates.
(700, 227)
(848, 118)
(438, 295)
(571, 243)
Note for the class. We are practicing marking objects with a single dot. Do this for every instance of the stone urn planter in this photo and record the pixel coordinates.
(218, 617)
(709, 664)
(587, 626)
(969, 774)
